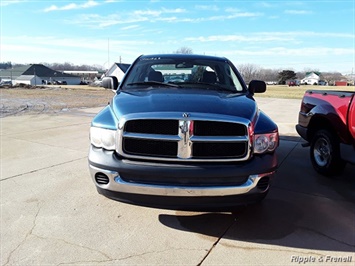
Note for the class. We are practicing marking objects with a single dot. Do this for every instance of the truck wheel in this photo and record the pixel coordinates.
(325, 154)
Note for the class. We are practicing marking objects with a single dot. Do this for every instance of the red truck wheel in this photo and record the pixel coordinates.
(325, 155)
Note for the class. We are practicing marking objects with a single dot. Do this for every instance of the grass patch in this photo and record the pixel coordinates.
(297, 92)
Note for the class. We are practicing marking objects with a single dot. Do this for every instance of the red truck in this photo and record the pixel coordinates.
(327, 122)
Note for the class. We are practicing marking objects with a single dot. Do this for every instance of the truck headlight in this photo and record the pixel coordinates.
(103, 138)
(265, 142)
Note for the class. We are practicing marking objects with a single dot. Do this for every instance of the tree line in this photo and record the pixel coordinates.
(280, 76)
(57, 66)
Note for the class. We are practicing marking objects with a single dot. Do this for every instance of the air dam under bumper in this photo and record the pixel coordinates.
(107, 165)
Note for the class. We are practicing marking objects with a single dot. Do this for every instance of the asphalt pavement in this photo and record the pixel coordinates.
(51, 213)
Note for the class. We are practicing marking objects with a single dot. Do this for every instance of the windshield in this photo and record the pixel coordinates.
(180, 73)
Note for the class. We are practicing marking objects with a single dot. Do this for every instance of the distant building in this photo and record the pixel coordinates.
(341, 83)
(85, 75)
(311, 78)
(32, 80)
(117, 70)
(37, 74)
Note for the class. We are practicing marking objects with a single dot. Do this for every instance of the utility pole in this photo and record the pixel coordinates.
(108, 53)
(11, 76)
(34, 73)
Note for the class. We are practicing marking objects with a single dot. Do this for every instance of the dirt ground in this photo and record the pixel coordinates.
(35, 100)
(56, 99)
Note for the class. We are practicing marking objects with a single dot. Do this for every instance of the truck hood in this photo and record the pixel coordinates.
(184, 101)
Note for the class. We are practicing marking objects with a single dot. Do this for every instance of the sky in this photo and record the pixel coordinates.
(295, 35)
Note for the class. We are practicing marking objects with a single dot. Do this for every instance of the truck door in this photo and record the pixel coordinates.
(351, 117)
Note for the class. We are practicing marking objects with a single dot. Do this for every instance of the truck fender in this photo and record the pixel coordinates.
(105, 119)
(326, 118)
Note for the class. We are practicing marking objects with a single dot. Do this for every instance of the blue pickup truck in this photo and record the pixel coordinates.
(183, 131)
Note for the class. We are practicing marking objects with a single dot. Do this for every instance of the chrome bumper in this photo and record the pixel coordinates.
(116, 184)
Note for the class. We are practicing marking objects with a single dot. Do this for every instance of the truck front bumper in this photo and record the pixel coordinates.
(106, 169)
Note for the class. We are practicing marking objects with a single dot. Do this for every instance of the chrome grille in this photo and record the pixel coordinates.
(184, 139)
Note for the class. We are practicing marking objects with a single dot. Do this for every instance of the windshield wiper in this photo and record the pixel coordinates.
(145, 83)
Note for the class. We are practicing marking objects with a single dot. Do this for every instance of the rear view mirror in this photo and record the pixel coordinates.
(184, 65)
(110, 82)
(257, 86)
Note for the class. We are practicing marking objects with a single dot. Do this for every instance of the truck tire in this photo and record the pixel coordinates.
(325, 154)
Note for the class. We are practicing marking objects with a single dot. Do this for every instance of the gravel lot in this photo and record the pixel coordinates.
(30, 100)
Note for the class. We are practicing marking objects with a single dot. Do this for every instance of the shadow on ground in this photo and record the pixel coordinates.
(303, 209)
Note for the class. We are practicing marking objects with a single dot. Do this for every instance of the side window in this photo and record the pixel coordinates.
(236, 82)
(232, 79)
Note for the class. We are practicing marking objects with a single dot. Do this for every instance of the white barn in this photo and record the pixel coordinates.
(117, 70)
(311, 78)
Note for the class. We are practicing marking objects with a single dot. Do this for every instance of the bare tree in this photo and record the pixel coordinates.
(184, 50)
(70, 66)
(270, 75)
(331, 77)
(5, 65)
(249, 72)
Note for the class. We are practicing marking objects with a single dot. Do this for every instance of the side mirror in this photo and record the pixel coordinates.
(110, 82)
(257, 86)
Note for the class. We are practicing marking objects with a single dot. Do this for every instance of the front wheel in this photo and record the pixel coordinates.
(325, 154)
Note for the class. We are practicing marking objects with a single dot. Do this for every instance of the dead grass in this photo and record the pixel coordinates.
(51, 99)
(20, 100)
(296, 92)
(73, 97)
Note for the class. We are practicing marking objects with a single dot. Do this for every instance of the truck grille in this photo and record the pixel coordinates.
(153, 126)
(184, 139)
(215, 149)
(211, 128)
(148, 147)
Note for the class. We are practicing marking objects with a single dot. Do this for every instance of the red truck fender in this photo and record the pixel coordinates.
(351, 117)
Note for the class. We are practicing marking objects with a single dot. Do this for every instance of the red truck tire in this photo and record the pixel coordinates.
(325, 154)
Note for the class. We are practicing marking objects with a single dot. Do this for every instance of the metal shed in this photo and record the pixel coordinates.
(32, 80)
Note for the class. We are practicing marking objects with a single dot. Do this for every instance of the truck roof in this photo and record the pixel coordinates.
(184, 56)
